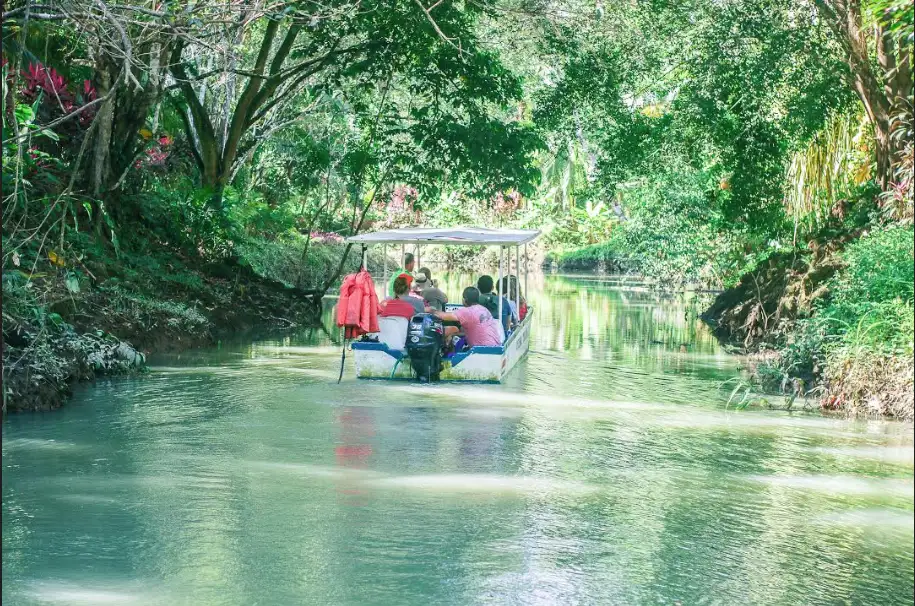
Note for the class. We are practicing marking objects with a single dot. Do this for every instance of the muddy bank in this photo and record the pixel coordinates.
(110, 325)
(763, 305)
(776, 315)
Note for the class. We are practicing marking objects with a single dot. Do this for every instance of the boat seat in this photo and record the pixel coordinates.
(392, 331)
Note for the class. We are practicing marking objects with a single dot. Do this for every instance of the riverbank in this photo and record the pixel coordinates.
(830, 320)
(99, 315)
(833, 321)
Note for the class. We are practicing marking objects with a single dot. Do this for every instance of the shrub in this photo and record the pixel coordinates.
(605, 256)
(871, 304)
(282, 259)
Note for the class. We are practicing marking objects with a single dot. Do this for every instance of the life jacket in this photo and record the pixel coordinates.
(357, 309)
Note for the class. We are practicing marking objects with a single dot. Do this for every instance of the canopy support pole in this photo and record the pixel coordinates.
(501, 252)
(517, 282)
(384, 283)
(526, 261)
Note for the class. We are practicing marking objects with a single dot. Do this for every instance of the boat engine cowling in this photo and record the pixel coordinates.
(425, 338)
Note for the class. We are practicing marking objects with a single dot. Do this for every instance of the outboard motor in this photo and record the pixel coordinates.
(425, 337)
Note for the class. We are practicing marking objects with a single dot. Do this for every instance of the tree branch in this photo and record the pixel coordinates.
(435, 26)
(262, 137)
(239, 117)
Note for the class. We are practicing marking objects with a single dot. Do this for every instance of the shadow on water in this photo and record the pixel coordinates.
(605, 469)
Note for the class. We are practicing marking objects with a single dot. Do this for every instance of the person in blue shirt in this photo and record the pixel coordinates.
(490, 301)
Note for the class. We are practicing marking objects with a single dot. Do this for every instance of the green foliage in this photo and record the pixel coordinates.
(872, 297)
(142, 309)
(607, 256)
(669, 231)
(283, 259)
(833, 169)
(42, 349)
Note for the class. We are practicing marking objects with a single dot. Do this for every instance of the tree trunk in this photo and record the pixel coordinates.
(132, 111)
(100, 163)
(882, 97)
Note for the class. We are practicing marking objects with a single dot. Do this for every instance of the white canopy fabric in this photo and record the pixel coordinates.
(475, 236)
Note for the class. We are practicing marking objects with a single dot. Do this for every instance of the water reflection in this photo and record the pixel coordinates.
(605, 470)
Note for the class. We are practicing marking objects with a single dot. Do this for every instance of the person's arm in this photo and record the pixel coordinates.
(443, 315)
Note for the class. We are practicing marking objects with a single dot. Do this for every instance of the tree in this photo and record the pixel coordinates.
(885, 93)
(428, 58)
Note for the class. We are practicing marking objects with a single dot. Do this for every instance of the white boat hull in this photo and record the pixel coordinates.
(484, 364)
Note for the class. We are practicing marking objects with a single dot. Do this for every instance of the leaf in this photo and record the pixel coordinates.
(88, 208)
(72, 283)
(145, 133)
(24, 114)
(56, 259)
(16, 259)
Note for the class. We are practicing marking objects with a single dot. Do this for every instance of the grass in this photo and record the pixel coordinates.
(858, 341)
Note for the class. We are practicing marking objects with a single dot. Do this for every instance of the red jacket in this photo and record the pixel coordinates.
(357, 308)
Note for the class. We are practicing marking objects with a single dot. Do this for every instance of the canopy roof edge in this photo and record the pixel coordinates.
(467, 236)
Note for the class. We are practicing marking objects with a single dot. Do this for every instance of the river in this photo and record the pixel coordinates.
(608, 469)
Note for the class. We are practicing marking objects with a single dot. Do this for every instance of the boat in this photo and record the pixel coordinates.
(383, 358)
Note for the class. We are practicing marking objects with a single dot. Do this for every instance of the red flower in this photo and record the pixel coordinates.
(53, 83)
(156, 157)
(34, 76)
(89, 93)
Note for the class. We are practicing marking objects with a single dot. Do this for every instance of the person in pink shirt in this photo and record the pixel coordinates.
(479, 327)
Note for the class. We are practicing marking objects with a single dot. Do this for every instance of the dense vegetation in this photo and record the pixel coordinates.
(164, 162)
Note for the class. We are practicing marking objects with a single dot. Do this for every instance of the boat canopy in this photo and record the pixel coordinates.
(475, 236)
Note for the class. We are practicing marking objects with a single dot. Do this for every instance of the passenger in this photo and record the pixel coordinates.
(402, 305)
(479, 327)
(511, 290)
(415, 300)
(491, 302)
(408, 264)
(424, 285)
(416, 291)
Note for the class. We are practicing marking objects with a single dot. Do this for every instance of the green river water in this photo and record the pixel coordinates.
(607, 469)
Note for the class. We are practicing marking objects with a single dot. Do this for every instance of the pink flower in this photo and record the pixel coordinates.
(325, 237)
